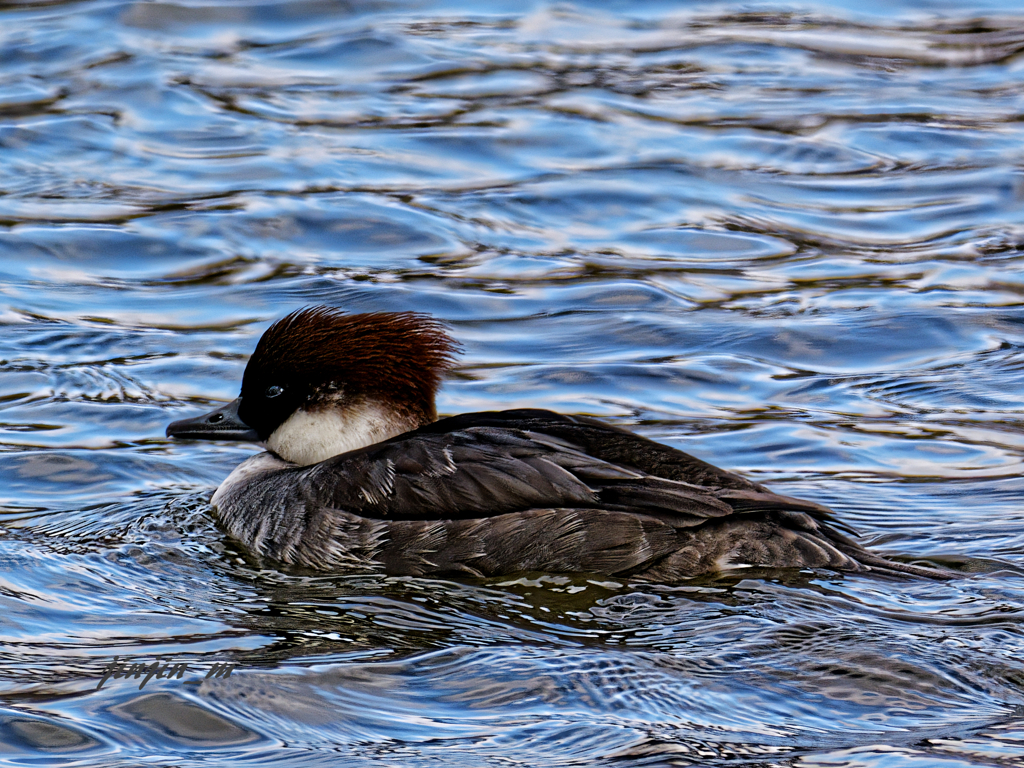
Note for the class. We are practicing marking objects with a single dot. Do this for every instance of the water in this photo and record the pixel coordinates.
(786, 237)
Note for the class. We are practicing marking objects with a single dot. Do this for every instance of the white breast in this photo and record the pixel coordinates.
(246, 473)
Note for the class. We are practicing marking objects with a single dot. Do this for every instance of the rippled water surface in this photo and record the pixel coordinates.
(786, 237)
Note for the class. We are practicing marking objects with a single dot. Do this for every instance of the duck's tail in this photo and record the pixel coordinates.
(883, 566)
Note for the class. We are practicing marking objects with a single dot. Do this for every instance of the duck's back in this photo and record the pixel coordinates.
(527, 490)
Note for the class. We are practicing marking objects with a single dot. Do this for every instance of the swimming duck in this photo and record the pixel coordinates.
(360, 474)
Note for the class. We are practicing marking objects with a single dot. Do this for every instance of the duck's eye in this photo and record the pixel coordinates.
(274, 390)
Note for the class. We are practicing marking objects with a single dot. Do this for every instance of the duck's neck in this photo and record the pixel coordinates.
(315, 435)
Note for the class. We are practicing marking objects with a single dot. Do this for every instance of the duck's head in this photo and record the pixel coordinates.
(322, 382)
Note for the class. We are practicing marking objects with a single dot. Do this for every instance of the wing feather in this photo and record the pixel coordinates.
(496, 493)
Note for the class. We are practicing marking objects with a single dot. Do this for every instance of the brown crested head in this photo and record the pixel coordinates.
(320, 357)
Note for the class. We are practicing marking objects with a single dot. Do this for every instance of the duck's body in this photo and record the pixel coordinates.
(375, 486)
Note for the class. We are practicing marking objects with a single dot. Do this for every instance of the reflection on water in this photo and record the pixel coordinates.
(788, 238)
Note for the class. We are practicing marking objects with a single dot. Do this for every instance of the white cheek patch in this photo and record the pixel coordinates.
(309, 437)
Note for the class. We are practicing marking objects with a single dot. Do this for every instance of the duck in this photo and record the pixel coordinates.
(359, 474)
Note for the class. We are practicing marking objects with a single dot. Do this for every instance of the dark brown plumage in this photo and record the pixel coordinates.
(480, 494)
(489, 494)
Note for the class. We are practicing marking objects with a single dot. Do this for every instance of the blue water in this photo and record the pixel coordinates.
(787, 237)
